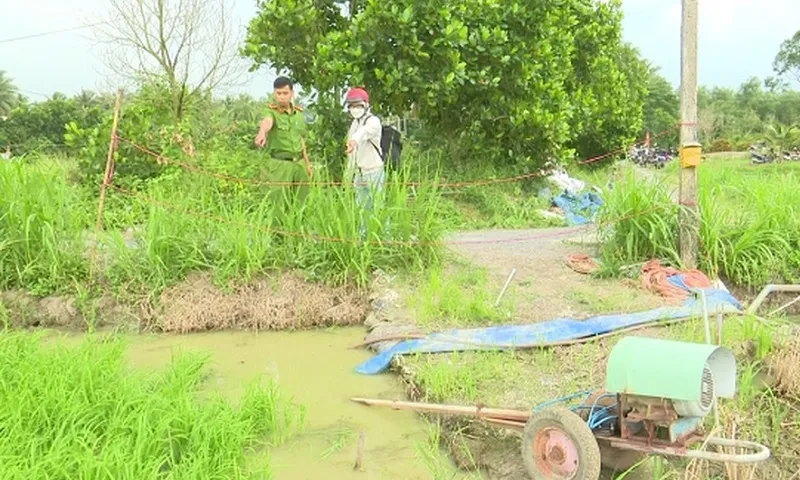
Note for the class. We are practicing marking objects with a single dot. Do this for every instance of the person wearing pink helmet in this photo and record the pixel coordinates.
(364, 155)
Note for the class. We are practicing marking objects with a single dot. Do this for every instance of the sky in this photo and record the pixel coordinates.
(738, 39)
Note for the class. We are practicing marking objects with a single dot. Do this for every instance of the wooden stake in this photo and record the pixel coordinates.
(112, 147)
(505, 287)
(362, 438)
(480, 412)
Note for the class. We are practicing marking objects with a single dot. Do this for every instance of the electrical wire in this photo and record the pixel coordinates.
(596, 419)
(51, 32)
(563, 399)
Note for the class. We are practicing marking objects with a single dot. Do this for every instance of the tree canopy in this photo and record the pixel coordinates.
(189, 46)
(787, 62)
(9, 96)
(511, 81)
(661, 108)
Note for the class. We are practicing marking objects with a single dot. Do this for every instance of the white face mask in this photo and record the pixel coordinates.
(357, 112)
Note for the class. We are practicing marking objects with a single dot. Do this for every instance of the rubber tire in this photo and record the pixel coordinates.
(578, 431)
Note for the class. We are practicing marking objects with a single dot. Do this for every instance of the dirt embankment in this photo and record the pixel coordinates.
(281, 302)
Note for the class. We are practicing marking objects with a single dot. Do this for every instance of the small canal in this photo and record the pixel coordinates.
(316, 368)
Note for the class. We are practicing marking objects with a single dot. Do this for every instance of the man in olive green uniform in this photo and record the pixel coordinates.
(282, 133)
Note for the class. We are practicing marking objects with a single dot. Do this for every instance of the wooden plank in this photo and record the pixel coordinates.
(480, 412)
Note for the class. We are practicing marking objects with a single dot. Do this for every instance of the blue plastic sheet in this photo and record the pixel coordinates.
(578, 210)
(559, 330)
(720, 295)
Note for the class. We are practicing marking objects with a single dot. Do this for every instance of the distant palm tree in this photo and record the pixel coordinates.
(9, 96)
(781, 138)
(87, 99)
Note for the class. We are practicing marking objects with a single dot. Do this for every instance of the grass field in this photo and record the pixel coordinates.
(750, 230)
(80, 412)
(157, 233)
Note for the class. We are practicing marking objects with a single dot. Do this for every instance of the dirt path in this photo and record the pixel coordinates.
(544, 287)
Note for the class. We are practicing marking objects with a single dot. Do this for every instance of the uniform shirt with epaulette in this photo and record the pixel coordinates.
(285, 139)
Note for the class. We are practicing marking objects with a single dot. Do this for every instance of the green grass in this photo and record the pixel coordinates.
(750, 229)
(462, 376)
(159, 231)
(78, 412)
(440, 467)
(495, 206)
(42, 219)
(458, 295)
(510, 205)
(194, 223)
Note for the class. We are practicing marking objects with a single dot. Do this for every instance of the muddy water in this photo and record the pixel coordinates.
(317, 369)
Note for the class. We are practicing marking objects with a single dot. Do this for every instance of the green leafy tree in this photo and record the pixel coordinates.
(32, 126)
(661, 108)
(787, 62)
(9, 96)
(506, 81)
(147, 119)
(87, 99)
(739, 117)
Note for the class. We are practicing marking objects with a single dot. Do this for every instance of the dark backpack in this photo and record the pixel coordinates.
(391, 147)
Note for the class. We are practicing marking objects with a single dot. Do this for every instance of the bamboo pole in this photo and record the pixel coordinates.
(515, 424)
(112, 147)
(480, 412)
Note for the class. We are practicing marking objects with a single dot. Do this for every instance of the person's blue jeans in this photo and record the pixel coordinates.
(368, 187)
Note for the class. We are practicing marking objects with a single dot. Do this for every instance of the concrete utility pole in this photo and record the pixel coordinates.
(688, 216)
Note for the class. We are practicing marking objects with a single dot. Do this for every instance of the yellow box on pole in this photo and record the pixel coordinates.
(690, 156)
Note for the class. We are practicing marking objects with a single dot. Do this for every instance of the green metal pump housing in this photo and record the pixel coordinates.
(668, 384)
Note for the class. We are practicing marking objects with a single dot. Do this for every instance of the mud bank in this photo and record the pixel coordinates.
(283, 301)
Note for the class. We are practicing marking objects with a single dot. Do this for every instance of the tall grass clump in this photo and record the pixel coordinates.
(78, 412)
(159, 230)
(749, 223)
(42, 225)
(455, 297)
(200, 222)
(638, 221)
(759, 412)
(751, 214)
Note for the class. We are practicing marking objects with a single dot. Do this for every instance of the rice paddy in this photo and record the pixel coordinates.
(80, 412)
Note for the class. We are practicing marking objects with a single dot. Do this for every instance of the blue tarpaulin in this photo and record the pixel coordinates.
(580, 209)
(559, 330)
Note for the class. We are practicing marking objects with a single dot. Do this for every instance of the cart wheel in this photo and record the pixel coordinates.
(558, 445)
(618, 459)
